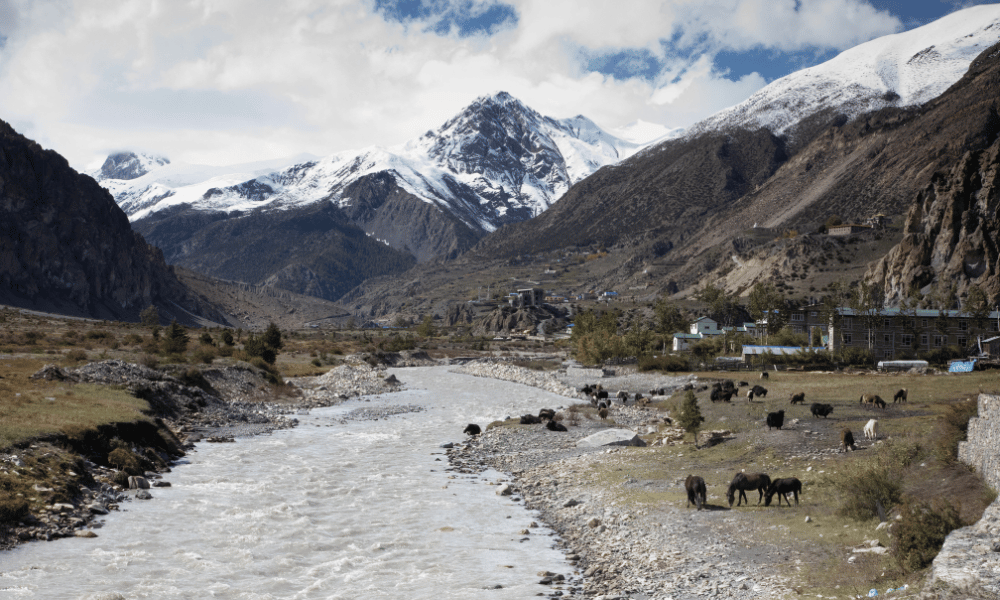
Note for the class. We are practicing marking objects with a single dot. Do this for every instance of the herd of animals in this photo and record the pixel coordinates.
(723, 391)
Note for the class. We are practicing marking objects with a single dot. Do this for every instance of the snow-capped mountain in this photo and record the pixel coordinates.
(128, 165)
(496, 162)
(904, 69)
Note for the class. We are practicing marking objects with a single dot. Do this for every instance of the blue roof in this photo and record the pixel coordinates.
(747, 349)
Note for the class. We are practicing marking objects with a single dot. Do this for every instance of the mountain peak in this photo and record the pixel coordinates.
(128, 165)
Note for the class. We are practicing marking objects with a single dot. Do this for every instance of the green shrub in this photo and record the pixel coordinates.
(99, 334)
(120, 478)
(863, 486)
(76, 355)
(316, 362)
(922, 531)
(952, 429)
(205, 354)
(669, 362)
(12, 507)
(125, 460)
(149, 360)
(133, 339)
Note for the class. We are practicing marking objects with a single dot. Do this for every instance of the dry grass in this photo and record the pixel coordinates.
(30, 408)
(650, 477)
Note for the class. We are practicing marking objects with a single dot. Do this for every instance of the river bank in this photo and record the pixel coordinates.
(620, 550)
(74, 484)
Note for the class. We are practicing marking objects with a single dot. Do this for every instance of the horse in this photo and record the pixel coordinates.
(847, 440)
(873, 399)
(695, 487)
(900, 396)
(871, 429)
(742, 482)
(799, 398)
(783, 487)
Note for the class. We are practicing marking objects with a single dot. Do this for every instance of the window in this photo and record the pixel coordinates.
(906, 339)
(846, 337)
(886, 322)
(813, 313)
(995, 325)
(923, 339)
(796, 329)
(963, 325)
(962, 342)
(798, 317)
(923, 323)
(886, 338)
(847, 323)
(939, 341)
(888, 354)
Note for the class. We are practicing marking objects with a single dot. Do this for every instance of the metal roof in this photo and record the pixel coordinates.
(778, 349)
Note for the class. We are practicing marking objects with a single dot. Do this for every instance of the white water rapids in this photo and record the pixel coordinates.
(361, 509)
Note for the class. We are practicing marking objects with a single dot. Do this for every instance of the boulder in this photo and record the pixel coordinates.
(611, 437)
(504, 489)
(143, 495)
(138, 483)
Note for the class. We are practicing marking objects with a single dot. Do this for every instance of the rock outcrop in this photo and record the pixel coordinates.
(66, 247)
(951, 231)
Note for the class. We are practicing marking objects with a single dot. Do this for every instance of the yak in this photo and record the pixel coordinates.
(799, 398)
(472, 429)
(821, 410)
(900, 396)
(775, 419)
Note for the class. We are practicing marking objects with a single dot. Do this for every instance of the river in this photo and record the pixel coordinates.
(335, 508)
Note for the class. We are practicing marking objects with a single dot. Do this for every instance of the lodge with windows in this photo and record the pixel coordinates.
(899, 334)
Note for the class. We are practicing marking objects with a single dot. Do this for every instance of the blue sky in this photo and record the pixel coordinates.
(227, 82)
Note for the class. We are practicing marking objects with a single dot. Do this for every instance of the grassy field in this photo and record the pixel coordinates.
(914, 449)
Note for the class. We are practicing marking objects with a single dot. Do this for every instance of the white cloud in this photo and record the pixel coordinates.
(226, 81)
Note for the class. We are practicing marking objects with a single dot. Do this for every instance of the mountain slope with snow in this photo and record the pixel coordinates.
(496, 162)
(898, 70)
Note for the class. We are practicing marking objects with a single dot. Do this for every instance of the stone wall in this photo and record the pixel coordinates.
(969, 556)
(983, 442)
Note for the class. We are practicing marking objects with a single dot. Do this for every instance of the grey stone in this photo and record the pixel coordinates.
(611, 437)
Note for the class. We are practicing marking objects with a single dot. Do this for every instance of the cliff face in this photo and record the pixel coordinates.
(66, 247)
(951, 232)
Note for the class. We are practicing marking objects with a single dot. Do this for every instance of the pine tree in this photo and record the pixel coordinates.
(175, 339)
(272, 337)
(150, 317)
(690, 418)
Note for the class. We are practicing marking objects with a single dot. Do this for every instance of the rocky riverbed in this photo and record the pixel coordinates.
(619, 551)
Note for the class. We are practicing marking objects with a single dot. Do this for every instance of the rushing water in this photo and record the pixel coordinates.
(330, 509)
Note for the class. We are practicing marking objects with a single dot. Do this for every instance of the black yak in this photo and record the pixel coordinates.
(546, 414)
(554, 425)
(776, 419)
(472, 429)
(821, 410)
(900, 396)
(760, 391)
(530, 420)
